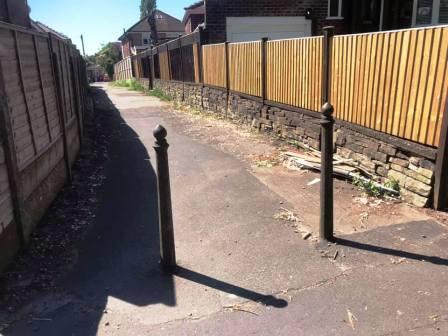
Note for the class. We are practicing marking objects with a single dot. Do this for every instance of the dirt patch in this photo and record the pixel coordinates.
(354, 210)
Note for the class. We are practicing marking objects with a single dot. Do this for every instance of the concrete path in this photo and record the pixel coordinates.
(241, 272)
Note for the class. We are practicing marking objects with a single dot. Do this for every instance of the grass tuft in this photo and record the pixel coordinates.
(131, 84)
(159, 94)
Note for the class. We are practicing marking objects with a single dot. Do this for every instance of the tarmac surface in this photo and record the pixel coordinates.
(242, 271)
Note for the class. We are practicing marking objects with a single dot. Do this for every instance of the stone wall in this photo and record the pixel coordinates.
(384, 161)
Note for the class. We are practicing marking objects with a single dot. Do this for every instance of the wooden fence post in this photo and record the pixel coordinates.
(201, 40)
(153, 68)
(57, 87)
(264, 41)
(170, 75)
(226, 47)
(441, 173)
(77, 95)
(181, 67)
(6, 135)
(327, 123)
(200, 64)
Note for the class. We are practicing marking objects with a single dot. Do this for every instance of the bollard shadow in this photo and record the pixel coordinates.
(268, 300)
(392, 252)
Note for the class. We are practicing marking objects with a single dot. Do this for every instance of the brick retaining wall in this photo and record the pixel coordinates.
(411, 165)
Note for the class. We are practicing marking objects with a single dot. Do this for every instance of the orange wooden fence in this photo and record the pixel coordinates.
(294, 72)
(214, 63)
(245, 67)
(393, 82)
(165, 72)
(196, 53)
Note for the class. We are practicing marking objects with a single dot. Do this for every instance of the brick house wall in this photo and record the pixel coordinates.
(193, 22)
(217, 11)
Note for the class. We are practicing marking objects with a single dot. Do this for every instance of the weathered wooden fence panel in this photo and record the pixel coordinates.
(294, 72)
(42, 101)
(6, 206)
(393, 82)
(123, 69)
(214, 63)
(165, 72)
(245, 67)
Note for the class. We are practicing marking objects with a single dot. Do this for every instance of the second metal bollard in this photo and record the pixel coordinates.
(167, 248)
(327, 123)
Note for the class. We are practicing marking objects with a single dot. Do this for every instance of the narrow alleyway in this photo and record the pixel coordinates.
(242, 272)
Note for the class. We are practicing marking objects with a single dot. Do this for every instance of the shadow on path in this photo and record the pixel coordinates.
(120, 256)
(268, 300)
(389, 251)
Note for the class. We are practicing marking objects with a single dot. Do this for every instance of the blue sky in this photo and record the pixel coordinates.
(100, 21)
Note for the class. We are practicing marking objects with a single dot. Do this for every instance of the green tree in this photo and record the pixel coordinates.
(107, 57)
(147, 9)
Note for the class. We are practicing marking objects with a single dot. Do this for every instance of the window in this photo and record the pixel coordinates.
(423, 15)
(443, 17)
(145, 41)
(430, 12)
(335, 9)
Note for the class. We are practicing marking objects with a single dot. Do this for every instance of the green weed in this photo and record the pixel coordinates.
(159, 94)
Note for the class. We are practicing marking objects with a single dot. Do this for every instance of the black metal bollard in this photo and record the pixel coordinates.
(327, 124)
(167, 248)
(326, 183)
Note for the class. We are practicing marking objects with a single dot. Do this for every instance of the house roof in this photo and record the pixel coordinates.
(43, 28)
(196, 8)
(164, 23)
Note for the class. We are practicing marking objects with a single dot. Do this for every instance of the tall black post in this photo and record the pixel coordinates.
(181, 67)
(264, 90)
(167, 247)
(226, 46)
(327, 123)
(441, 172)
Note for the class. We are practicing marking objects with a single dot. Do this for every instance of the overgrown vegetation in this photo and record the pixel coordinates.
(159, 94)
(373, 189)
(131, 84)
(134, 85)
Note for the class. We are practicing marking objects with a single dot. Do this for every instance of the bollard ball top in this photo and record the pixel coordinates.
(327, 109)
(160, 132)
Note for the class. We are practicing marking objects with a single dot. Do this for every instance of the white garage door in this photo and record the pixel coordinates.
(243, 29)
